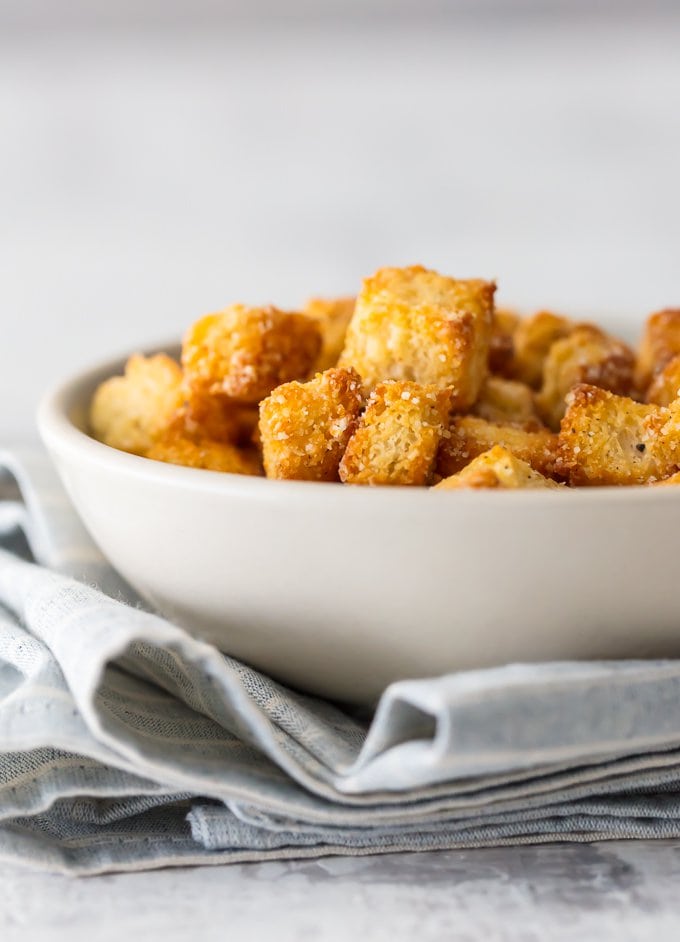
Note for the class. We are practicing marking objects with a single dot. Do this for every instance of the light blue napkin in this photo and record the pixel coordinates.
(127, 744)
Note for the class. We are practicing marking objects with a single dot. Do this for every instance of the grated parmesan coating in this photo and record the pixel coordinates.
(304, 427)
(496, 468)
(397, 439)
(470, 436)
(609, 439)
(459, 392)
(417, 325)
(242, 353)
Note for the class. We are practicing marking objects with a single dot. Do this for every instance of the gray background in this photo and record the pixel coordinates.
(159, 160)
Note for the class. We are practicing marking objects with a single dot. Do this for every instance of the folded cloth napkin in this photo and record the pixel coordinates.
(126, 744)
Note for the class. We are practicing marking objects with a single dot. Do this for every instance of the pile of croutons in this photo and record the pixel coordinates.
(417, 381)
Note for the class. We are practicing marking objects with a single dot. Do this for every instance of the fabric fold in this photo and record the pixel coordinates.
(126, 743)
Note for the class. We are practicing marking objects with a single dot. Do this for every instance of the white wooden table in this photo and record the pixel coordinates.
(617, 891)
(148, 178)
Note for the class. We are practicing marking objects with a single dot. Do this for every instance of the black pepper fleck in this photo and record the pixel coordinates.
(640, 447)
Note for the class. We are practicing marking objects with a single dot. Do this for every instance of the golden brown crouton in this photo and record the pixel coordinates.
(396, 441)
(244, 352)
(247, 418)
(177, 448)
(204, 415)
(470, 436)
(305, 427)
(332, 316)
(669, 437)
(502, 344)
(414, 324)
(129, 412)
(504, 400)
(660, 342)
(665, 387)
(499, 468)
(673, 479)
(586, 355)
(608, 439)
(532, 340)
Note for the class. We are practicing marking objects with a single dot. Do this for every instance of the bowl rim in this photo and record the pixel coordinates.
(60, 434)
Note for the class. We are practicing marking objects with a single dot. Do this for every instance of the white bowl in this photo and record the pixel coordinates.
(340, 590)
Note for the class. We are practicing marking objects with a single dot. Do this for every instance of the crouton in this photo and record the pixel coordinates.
(332, 317)
(609, 439)
(502, 343)
(242, 353)
(586, 355)
(504, 400)
(247, 418)
(532, 339)
(129, 412)
(416, 325)
(669, 437)
(397, 438)
(499, 468)
(660, 343)
(665, 386)
(175, 447)
(305, 427)
(470, 436)
(673, 479)
(204, 415)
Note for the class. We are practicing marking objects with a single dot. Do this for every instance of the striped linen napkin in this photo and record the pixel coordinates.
(127, 744)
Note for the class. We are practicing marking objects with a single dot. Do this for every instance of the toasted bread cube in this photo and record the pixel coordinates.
(176, 447)
(502, 344)
(609, 439)
(586, 355)
(470, 436)
(333, 317)
(305, 427)
(397, 438)
(414, 324)
(242, 353)
(497, 467)
(660, 343)
(532, 339)
(129, 412)
(665, 386)
(506, 401)
(669, 437)
(673, 479)
(204, 415)
(247, 418)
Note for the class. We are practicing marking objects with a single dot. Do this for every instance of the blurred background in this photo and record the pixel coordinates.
(159, 160)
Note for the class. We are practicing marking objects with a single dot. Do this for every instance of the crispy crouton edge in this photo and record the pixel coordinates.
(62, 423)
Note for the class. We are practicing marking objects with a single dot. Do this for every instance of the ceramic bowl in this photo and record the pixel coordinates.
(339, 590)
